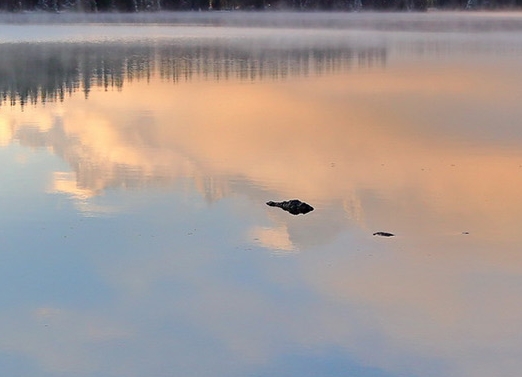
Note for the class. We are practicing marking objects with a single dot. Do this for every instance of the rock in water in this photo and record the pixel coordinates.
(384, 234)
(294, 206)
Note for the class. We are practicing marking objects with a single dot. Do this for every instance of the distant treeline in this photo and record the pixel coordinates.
(173, 5)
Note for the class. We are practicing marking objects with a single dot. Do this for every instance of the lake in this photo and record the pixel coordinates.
(139, 152)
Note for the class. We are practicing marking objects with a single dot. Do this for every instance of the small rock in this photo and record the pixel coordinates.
(294, 206)
(384, 234)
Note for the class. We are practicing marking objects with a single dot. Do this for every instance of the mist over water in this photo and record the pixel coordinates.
(107, 49)
(436, 21)
(139, 151)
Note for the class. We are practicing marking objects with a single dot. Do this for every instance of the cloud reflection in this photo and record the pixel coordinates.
(332, 145)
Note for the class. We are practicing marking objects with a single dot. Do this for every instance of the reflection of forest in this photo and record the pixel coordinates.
(32, 73)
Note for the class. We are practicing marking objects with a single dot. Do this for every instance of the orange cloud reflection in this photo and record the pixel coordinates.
(418, 145)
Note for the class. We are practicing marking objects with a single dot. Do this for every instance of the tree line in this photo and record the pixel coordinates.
(206, 5)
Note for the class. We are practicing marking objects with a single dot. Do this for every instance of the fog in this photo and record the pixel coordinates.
(443, 21)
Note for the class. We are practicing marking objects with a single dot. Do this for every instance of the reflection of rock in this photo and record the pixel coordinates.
(295, 207)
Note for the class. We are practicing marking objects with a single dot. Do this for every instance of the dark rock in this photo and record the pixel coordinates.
(295, 207)
(384, 234)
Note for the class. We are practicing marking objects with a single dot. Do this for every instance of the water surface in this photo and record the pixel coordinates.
(137, 161)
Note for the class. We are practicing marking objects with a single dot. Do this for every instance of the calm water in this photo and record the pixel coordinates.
(137, 160)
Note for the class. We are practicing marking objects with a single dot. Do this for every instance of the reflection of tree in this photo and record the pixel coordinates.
(32, 73)
(209, 62)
